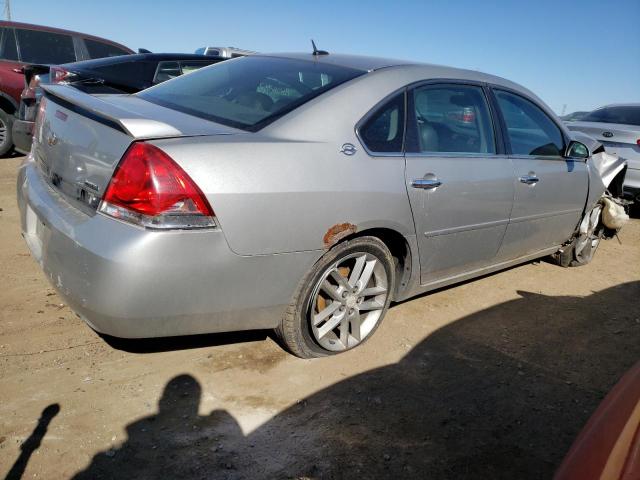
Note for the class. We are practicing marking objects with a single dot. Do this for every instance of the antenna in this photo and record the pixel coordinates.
(7, 9)
(317, 52)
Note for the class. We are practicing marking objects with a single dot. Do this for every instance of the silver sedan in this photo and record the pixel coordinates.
(298, 192)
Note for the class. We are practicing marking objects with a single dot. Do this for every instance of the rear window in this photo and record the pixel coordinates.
(249, 92)
(100, 50)
(45, 47)
(629, 115)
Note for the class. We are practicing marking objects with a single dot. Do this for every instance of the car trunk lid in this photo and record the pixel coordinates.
(79, 139)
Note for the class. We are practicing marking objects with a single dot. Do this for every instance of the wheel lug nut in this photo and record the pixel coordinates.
(344, 294)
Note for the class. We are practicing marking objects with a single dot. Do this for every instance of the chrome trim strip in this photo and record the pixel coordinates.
(464, 228)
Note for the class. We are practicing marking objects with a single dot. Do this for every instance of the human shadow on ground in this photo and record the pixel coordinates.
(499, 394)
(32, 443)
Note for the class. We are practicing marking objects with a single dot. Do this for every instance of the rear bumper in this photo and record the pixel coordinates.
(22, 133)
(130, 282)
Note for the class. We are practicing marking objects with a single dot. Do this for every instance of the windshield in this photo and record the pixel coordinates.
(629, 115)
(249, 92)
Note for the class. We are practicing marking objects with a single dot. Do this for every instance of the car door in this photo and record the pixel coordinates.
(460, 184)
(550, 190)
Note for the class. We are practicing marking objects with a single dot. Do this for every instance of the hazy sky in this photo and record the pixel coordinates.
(580, 53)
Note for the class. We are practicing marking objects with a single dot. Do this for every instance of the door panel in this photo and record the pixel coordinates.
(461, 191)
(545, 213)
(550, 190)
(460, 224)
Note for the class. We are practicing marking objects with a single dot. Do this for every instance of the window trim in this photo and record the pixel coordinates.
(503, 124)
(498, 137)
(375, 109)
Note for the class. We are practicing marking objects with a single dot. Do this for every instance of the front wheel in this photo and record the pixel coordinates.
(341, 301)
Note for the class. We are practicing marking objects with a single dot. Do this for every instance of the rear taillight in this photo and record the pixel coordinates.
(149, 189)
(638, 141)
(59, 75)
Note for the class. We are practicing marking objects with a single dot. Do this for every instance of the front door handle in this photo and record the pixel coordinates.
(426, 183)
(529, 179)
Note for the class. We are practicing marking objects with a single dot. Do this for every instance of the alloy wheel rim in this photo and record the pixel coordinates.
(3, 132)
(348, 300)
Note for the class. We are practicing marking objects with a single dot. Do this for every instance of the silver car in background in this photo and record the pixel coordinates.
(298, 192)
(617, 127)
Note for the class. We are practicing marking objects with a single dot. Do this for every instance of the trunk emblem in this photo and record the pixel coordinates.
(52, 140)
(607, 134)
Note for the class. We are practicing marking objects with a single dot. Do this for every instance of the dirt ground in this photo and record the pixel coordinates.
(490, 379)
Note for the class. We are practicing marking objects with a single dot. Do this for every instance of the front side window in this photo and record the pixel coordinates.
(530, 131)
(249, 92)
(383, 131)
(626, 115)
(45, 47)
(452, 119)
(100, 49)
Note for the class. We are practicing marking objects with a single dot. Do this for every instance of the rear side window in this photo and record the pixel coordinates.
(452, 119)
(626, 115)
(188, 66)
(9, 49)
(383, 131)
(45, 47)
(249, 92)
(530, 131)
(166, 71)
(100, 49)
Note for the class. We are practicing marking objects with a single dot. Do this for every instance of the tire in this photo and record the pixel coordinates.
(6, 137)
(341, 301)
(587, 242)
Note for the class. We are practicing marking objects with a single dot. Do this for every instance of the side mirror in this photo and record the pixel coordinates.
(577, 150)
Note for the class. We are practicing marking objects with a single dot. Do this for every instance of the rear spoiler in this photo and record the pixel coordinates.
(93, 107)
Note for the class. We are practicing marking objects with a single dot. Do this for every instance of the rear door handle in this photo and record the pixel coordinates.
(529, 179)
(426, 183)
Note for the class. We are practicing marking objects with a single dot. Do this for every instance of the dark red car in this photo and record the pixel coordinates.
(22, 44)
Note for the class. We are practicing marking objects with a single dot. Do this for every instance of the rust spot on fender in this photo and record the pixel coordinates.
(337, 233)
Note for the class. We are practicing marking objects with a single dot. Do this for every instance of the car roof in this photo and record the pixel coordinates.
(42, 28)
(618, 105)
(427, 70)
(99, 62)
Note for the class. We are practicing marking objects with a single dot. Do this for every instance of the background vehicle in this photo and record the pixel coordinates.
(122, 74)
(608, 446)
(297, 192)
(571, 117)
(22, 44)
(617, 127)
(226, 52)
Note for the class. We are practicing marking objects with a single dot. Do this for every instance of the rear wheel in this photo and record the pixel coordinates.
(6, 138)
(341, 301)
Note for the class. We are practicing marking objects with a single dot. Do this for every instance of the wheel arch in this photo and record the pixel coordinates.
(400, 251)
(7, 103)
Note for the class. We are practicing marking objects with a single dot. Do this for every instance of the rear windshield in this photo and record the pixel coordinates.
(629, 115)
(248, 92)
